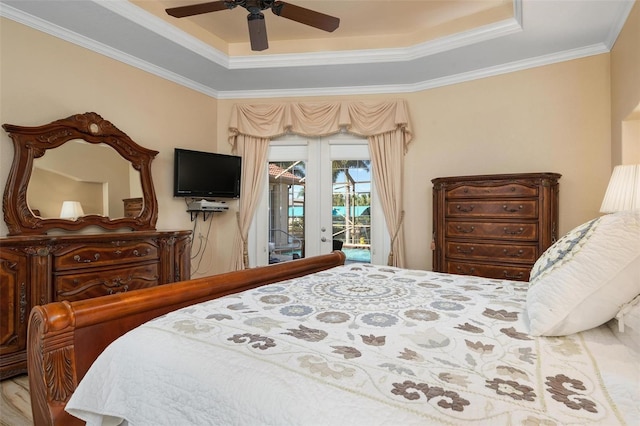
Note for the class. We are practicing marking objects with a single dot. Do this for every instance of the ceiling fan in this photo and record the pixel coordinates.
(257, 28)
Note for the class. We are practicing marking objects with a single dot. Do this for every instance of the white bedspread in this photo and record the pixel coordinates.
(361, 345)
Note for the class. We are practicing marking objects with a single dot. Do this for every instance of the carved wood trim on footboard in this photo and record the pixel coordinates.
(64, 338)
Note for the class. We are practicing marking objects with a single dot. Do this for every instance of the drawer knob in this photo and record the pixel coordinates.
(512, 232)
(465, 230)
(461, 270)
(511, 209)
(79, 259)
(519, 253)
(141, 254)
(465, 209)
(123, 290)
(517, 276)
(465, 251)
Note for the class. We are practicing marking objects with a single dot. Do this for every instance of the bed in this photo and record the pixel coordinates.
(316, 341)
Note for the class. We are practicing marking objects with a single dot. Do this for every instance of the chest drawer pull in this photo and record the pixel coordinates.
(141, 254)
(464, 209)
(518, 231)
(511, 209)
(519, 253)
(463, 251)
(123, 290)
(79, 259)
(465, 230)
(517, 276)
(461, 270)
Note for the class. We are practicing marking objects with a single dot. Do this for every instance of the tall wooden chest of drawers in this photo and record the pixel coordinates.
(35, 270)
(493, 226)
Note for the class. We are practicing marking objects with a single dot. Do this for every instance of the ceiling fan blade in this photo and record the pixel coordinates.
(306, 16)
(196, 9)
(257, 32)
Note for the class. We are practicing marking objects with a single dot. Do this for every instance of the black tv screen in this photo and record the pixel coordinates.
(206, 174)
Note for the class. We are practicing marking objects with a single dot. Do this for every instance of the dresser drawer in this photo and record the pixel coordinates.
(492, 190)
(497, 252)
(102, 282)
(489, 271)
(94, 255)
(492, 230)
(524, 209)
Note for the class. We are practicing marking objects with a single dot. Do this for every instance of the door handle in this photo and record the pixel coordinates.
(323, 239)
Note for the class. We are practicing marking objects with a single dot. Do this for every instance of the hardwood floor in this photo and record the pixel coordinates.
(15, 405)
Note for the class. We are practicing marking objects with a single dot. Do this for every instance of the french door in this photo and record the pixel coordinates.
(319, 195)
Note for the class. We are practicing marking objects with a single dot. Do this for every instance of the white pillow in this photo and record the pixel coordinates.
(626, 326)
(583, 279)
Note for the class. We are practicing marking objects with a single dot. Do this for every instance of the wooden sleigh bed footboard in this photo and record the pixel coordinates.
(65, 338)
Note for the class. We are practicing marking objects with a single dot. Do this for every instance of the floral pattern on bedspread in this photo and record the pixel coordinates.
(445, 348)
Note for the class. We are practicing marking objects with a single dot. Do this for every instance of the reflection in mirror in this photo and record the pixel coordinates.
(108, 201)
(93, 174)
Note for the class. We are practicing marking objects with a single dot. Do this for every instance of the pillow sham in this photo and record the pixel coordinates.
(583, 279)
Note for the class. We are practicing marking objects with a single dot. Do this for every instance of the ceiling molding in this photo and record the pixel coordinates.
(151, 22)
(425, 85)
(465, 41)
(369, 56)
(614, 31)
(100, 48)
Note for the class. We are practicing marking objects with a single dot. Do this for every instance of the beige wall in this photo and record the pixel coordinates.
(625, 92)
(48, 190)
(43, 78)
(547, 119)
(554, 118)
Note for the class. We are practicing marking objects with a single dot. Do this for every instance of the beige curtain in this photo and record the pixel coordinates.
(387, 163)
(385, 124)
(253, 151)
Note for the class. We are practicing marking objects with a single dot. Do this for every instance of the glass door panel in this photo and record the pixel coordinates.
(286, 210)
(351, 212)
(319, 196)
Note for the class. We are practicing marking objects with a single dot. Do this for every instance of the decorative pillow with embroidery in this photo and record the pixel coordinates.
(583, 279)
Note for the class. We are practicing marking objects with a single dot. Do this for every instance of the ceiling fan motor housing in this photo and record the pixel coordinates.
(253, 6)
(255, 19)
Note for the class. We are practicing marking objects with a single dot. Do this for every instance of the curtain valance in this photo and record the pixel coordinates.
(319, 119)
(385, 124)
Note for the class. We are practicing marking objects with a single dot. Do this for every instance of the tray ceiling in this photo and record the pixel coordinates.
(380, 46)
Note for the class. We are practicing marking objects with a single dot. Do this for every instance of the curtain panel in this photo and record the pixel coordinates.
(385, 124)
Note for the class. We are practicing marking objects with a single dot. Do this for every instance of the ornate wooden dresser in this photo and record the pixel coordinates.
(493, 226)
(76, 263)
(35, 270)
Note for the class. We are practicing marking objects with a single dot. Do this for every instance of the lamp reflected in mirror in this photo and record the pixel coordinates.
(71, 210)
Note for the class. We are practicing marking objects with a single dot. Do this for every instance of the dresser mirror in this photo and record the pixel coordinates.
(77, 172)
(97, 177)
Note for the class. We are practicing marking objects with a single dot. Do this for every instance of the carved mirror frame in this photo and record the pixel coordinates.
(33, 142)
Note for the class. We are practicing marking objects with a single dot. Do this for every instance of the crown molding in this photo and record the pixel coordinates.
(623, 15)
(62, 33)
(153, 23)
(368, 56)
(568, 55)
(147, 20)
(36, 23)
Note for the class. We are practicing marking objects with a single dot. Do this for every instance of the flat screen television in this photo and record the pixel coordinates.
(200, 174)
